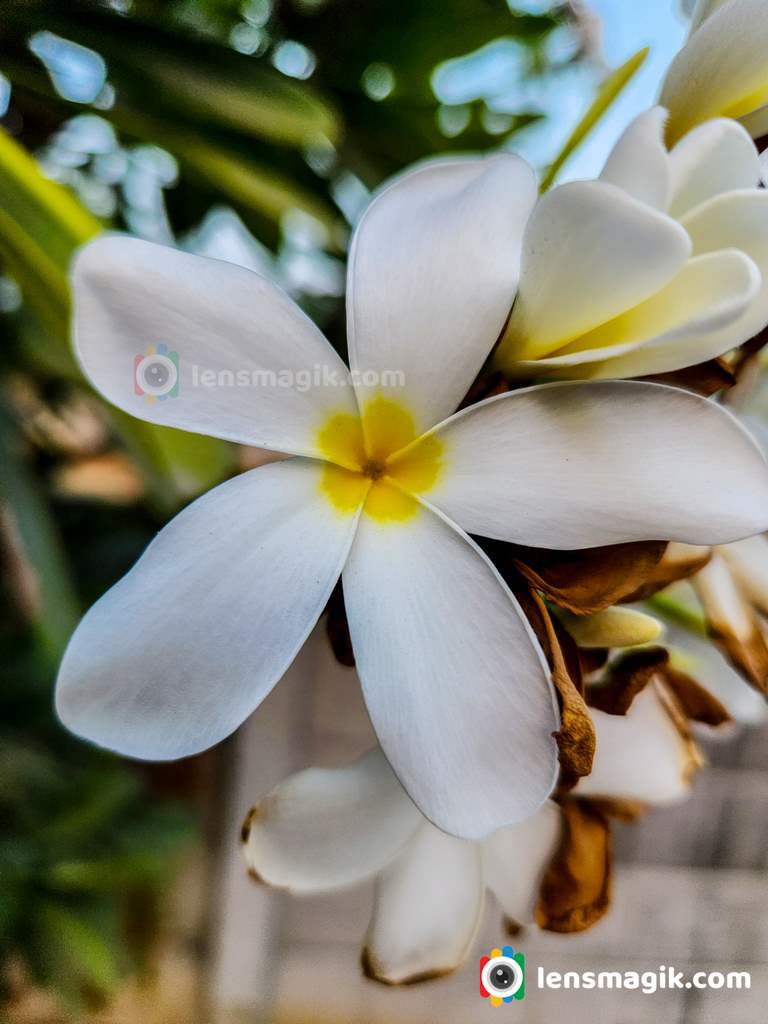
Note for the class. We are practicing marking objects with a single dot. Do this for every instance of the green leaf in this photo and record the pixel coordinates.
(100, 799)
(73, 952)
(50, 214)
(608, 93)
(41, 225)
(190, 78)
(39, 572)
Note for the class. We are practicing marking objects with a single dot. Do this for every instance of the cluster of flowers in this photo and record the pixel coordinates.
(493, 533)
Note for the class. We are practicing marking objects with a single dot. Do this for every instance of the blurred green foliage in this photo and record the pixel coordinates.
(284, 114)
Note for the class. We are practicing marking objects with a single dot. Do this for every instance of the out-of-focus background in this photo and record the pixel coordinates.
(254, 131)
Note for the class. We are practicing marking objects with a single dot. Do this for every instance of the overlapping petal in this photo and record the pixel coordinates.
(717, 156)
(639, 163)
(427, 910)
(251, 366)
(737, 220)
(590, 252)
(707, 309)
(515, 858)
(577, 465)
(454, 678)
(721, 70)
(702, 10)
(433, 270)
(641, 755)
(323, 829)
(176, 655)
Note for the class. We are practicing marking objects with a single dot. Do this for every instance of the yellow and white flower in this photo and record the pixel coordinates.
(386, 487)
(722, 70)
(660, 264)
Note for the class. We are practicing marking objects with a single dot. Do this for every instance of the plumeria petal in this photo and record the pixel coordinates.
(251, 366)
(702, 10)
(183, 648)
(639, 162)
(455, 681)
(697, 316)
(641, 755)
(432, 274)
(577, 465)
(326, 828)
(756, 123)
(718, 156)
(515, 859)
(737, 220)
(427, 910)
(721, 70)
(590, 252)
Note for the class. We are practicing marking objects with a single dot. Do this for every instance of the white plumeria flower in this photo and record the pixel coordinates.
(324, 829)
(191, 641)
(722, 70)
(659, 265)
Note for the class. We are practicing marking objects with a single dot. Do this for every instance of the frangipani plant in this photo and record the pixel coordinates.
(387, 486)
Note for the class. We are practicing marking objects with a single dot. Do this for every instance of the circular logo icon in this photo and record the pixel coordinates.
(157, 375)
(502, 977)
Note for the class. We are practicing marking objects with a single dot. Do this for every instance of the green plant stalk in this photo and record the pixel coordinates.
(608, 93)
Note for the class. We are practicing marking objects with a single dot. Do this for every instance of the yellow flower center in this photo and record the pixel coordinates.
(378, 459)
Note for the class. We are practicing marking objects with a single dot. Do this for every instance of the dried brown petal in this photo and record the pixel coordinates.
(576, 889)
(704, 379)
(694, 758)
(626, 677)
(374, 972)
(583, 582)
(576, 737)
(512, 928)
(679, 562)
(732, 622)
(697, 703)
(619, 809)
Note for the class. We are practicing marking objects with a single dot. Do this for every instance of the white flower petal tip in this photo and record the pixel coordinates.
(426, 608)
(203, 345)
(432, 273)
(178, 653)
(721, 70)
(645, 755)
(613, 627)
(637, 444)
(326, 829)
(639, 163)
(427, 910)
(715, 157)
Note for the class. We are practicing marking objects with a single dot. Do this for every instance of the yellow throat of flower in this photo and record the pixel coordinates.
(377, 459)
